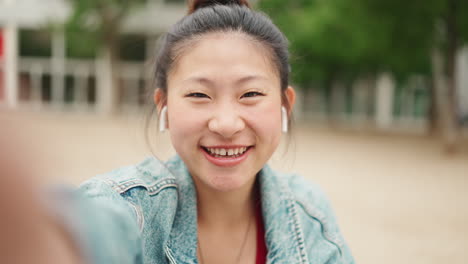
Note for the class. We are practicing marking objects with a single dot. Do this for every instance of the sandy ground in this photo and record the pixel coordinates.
(398, 198)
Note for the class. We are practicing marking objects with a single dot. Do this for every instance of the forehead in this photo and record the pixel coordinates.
(225, 56)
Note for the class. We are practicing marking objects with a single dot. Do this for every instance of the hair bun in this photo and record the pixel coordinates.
(194, 5)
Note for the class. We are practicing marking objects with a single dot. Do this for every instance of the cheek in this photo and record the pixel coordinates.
(266, 122)
(184, 124)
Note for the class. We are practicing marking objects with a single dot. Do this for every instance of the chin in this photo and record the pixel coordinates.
(227, 184)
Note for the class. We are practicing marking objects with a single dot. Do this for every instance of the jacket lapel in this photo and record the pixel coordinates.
(283, 232)
(182, 243)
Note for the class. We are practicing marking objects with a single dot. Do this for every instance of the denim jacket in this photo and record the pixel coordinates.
(147, 214)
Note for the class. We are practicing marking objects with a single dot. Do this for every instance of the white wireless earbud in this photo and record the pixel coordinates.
(162, 119)
(284, 120)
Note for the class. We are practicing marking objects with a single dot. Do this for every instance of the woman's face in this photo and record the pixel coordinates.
(224, 110)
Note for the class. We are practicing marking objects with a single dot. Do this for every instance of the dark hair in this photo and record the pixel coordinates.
(208, 16)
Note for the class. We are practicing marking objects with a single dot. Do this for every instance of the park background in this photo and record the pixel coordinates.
(381, 121)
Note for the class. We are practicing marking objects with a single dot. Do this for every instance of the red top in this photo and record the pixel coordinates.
(1, 43)
(261, 244)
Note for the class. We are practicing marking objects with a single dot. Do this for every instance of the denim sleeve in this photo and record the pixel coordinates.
(101, 222)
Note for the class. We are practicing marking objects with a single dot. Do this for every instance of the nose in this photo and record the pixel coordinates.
(226, 122)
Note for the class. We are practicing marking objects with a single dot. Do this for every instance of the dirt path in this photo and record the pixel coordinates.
(398, 199)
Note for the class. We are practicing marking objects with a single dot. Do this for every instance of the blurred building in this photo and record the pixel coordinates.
(39, 71)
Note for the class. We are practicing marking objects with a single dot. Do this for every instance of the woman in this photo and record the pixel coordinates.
(222, 94)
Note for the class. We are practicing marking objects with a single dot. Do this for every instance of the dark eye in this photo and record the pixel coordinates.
(252, 94)
(198, 95)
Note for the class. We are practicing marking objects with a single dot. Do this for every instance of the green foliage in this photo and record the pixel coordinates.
(82, 44)
(344, 38)
(463, 20)
(96, 22)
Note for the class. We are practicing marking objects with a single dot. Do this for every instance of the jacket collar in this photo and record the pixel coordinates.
(283, 233)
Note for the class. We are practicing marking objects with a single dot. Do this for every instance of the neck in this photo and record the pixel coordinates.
(219, 209)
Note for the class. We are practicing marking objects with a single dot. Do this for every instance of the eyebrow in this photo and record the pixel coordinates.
(207, 81)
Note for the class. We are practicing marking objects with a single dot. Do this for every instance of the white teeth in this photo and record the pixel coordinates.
(227, 152)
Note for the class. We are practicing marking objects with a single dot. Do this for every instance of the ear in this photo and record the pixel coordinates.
(291, 97)
(159, 99)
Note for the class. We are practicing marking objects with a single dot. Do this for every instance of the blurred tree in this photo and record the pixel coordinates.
(98, 23)
(431, 33)
(344, 39)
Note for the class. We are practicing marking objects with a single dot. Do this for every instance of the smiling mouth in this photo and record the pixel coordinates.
(227, 153)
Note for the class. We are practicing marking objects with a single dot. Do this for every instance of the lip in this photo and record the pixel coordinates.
(228, 146)
(227, 162)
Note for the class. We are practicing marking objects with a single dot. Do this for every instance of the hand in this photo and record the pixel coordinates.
(28, 233)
